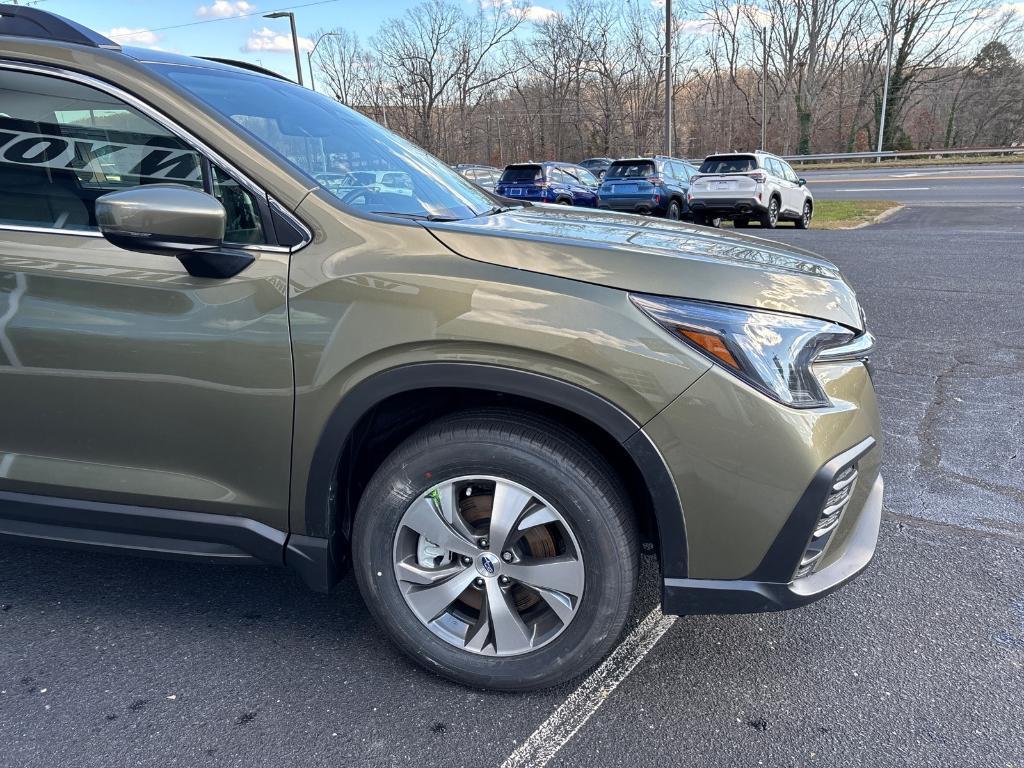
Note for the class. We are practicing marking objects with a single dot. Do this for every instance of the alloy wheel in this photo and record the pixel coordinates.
(488, 565)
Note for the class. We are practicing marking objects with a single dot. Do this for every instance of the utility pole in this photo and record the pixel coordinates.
(668, 77)
(885, 86)
(295, 38)
(764, 88)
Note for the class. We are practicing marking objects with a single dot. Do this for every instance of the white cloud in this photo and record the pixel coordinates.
(534, 13)
(222, 9)
(538, 13)
(267, 40)
(129, 36)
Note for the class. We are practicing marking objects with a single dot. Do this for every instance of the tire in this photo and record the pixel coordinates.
(770, 219)
(674, 212)
(804, 222)
(535, 456)
(741, 223)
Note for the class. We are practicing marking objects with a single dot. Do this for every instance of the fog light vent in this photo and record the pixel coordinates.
(831, 513)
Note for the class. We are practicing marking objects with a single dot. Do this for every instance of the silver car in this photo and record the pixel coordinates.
(749, 186)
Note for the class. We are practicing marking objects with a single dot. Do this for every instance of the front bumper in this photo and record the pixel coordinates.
(754, 480)
(700, 596)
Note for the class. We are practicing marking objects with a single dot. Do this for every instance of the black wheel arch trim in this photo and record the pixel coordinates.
(624, 429)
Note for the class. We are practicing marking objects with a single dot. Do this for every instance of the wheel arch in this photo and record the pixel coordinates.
(420, 392)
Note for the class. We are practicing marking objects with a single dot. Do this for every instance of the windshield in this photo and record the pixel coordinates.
(363, 164)
(633, 170)
(728, 164)
(522, 174)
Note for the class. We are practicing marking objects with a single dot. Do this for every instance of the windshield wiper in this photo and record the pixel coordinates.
(417, 216)
(500, 209)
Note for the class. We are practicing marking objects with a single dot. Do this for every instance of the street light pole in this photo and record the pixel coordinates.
(295, 38)
(311, 51)
(764, 89)
(668, 77)
(885, 86)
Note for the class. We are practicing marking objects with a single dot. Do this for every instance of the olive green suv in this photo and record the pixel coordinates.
(218, 343)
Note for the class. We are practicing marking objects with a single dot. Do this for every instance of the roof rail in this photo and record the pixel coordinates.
(246, 65)
(21, 21)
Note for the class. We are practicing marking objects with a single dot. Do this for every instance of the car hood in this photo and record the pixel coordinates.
(656, 256)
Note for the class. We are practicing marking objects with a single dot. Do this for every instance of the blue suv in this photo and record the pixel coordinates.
(549, 182)
(651, 185)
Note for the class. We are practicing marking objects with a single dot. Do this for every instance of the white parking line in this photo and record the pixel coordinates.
(884, 189)
(570, 716)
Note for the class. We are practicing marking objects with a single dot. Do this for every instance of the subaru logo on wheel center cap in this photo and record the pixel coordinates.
(487, 564)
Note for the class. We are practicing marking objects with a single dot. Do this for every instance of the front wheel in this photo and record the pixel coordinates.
(804, 222)
(495, 549)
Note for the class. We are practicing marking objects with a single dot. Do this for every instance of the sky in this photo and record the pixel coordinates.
(236, 29)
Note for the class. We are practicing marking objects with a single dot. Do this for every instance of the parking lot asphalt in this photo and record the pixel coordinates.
(117, 661)
(999, 183)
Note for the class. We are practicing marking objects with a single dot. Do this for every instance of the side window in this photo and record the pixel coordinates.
(588, 178)
(676, 171)
(556, 175)
(63, 145)
(790, 174)
(243, 224)
(775, 168)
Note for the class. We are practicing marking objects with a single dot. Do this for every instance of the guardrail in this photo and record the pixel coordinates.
(895, 155)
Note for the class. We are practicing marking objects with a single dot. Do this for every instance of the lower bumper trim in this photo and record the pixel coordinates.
(706, 596)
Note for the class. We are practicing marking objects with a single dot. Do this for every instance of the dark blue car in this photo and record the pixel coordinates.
(649, 185)
(549, 182)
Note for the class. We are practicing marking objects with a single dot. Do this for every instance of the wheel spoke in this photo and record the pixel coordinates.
(509, 503)
(561, 574)
(480, 632)
(537, 516)
(410, 572)
(559, 603)
(425, 518)
(445, 498)
(430, 602)
(510, 633)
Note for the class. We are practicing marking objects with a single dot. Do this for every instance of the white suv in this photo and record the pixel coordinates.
(746, 186)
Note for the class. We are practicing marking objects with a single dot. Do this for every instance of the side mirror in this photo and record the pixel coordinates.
(171, 220)
(801, 182)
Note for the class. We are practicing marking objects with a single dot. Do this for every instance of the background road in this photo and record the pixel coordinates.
(971, 185)
(115, 661)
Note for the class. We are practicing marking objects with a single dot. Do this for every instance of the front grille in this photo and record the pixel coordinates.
(831, 514)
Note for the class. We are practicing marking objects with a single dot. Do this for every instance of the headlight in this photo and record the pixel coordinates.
(770, 351)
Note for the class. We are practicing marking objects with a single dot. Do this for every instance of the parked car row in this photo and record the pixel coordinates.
(741, 187)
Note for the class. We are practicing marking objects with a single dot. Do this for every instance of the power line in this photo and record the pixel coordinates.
(236, 16)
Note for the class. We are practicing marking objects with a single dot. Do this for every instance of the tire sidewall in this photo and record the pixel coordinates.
(609, 578)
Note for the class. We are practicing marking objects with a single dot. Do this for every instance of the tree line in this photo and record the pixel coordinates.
(501, 80)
